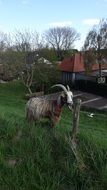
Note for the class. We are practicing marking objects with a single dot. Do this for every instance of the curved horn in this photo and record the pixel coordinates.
(60, 85)
(68, 88)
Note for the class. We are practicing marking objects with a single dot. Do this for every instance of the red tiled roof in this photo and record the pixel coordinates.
(72, 64)
(76, 64)
(67, 64)
(96, 66)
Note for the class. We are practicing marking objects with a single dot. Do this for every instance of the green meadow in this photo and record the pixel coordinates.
(36, 157)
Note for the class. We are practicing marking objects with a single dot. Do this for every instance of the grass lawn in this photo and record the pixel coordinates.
(36, 157)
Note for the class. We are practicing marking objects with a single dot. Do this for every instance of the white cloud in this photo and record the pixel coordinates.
(91, 22)
(60, 24)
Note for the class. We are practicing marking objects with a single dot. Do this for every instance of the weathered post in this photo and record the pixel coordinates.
(76, 113)
(75, 123)
(72, 140)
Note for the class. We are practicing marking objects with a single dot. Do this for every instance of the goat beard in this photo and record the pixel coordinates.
(70, 107)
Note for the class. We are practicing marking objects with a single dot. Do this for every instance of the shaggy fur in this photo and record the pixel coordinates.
(37, 108)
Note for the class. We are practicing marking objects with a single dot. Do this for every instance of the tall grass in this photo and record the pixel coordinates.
(36, 157)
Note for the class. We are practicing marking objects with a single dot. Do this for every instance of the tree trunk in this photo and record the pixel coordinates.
(29, 90)
(100, 69)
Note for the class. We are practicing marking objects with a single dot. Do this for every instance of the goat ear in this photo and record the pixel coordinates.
(62, 94)
(63, 98)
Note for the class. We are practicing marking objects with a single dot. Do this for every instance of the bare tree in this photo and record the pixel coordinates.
(89, 60)
(26, 40)
(5, 46)
(97, 40)
(27, 70)
(61, 38)
(27, 76)
(5, 41)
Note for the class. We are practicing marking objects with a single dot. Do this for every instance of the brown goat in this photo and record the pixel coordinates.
(45, 106)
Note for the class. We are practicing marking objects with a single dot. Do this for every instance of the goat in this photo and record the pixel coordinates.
(45, 106)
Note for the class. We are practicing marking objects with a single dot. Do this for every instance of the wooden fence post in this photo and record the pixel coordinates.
(75, 123)
(72, 141)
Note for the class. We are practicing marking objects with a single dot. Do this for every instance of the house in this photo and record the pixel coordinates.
(33, 58)
(45, 61)
(73, 69)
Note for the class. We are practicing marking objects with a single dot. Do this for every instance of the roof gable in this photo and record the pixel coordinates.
(67, 64)
(79, 63)
(73, 64)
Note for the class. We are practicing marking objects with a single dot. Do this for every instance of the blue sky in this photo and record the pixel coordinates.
(40, 15)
